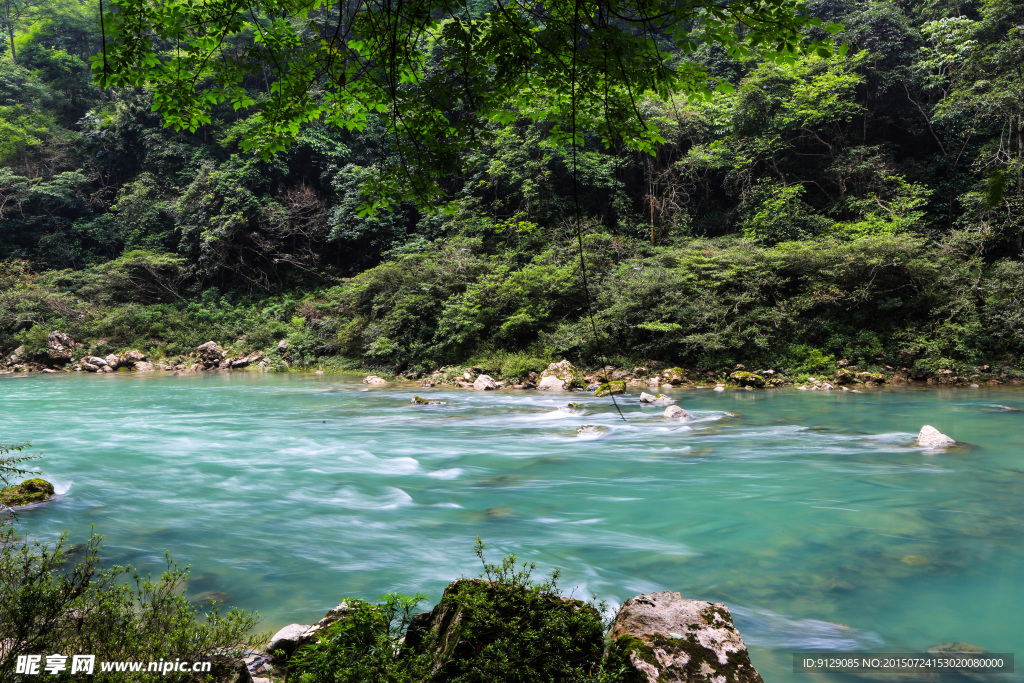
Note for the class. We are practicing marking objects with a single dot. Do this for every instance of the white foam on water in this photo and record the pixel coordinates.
(61, 487)
(390, 498)
(450, 473)
(765, 628)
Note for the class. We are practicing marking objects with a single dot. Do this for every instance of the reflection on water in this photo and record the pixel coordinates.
(812, 515)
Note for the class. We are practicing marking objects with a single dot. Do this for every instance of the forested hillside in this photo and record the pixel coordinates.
(865, 207)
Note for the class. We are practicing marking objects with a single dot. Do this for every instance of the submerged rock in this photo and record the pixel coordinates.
(666, 638)
(375, 381)
(420, 401)
(676, 413)
(573, 408)
(656, 399)
(591, 430)
(930, 437)
(484, 383)
(28, 492)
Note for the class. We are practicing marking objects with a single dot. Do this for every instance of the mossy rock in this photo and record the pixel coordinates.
(489, 631)
(747, 379)
(609, 388)
(28, 492)
(420, 401)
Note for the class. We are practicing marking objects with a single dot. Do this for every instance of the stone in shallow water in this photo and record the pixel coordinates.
(28, 492)
(930, 437)
(666, 638)
(676, 413)
(420, 401)
(591, 431)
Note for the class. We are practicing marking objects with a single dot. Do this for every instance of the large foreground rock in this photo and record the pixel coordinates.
(500, 631)
(665, 638)
(286, 642)
(930, 437)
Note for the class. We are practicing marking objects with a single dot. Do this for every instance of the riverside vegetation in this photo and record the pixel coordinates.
(862, 208)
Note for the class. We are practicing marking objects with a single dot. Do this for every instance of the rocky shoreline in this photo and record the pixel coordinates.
(654, 638)
(64, 354)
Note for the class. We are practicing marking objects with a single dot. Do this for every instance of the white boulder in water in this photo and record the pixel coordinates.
(375, 381)
(656, 399)
(930, 437)
(676, 413)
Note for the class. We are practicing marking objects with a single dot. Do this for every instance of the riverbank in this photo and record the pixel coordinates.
(63, 354)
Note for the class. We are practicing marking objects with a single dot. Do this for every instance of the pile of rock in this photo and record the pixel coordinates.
(655, 638)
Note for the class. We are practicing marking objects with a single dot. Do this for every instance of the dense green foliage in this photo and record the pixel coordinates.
(865, 207)
(507, 627)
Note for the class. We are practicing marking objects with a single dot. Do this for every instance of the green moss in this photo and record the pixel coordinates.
(747, 379)
(609, 388)
(26, 493)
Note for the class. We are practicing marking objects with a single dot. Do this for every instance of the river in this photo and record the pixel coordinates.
(811, 514)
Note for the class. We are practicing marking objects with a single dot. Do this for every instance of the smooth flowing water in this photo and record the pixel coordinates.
(812, 515)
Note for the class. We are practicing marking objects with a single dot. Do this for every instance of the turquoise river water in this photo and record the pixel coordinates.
(812, 515)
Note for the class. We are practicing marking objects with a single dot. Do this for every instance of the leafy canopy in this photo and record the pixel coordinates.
(436, 72)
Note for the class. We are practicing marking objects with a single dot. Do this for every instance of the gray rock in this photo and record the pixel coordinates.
(484, 383)
(288, 640)
(550, 383)
(666, 638)
(930, 437)
(132, 357)
(656, 399)
(676, 413)
(89, 367)
(143, 366)
(95, 360)
(557, 377)
(113, 361)
(375, 381)
(60, 346)
(210, 353)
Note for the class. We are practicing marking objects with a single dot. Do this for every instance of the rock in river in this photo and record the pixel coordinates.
(666, 638)
(930, 437)
(656, 399)
(28, 492)
(676, 413)
(375, 381)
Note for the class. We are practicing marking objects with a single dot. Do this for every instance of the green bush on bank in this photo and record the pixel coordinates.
(705, 304)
